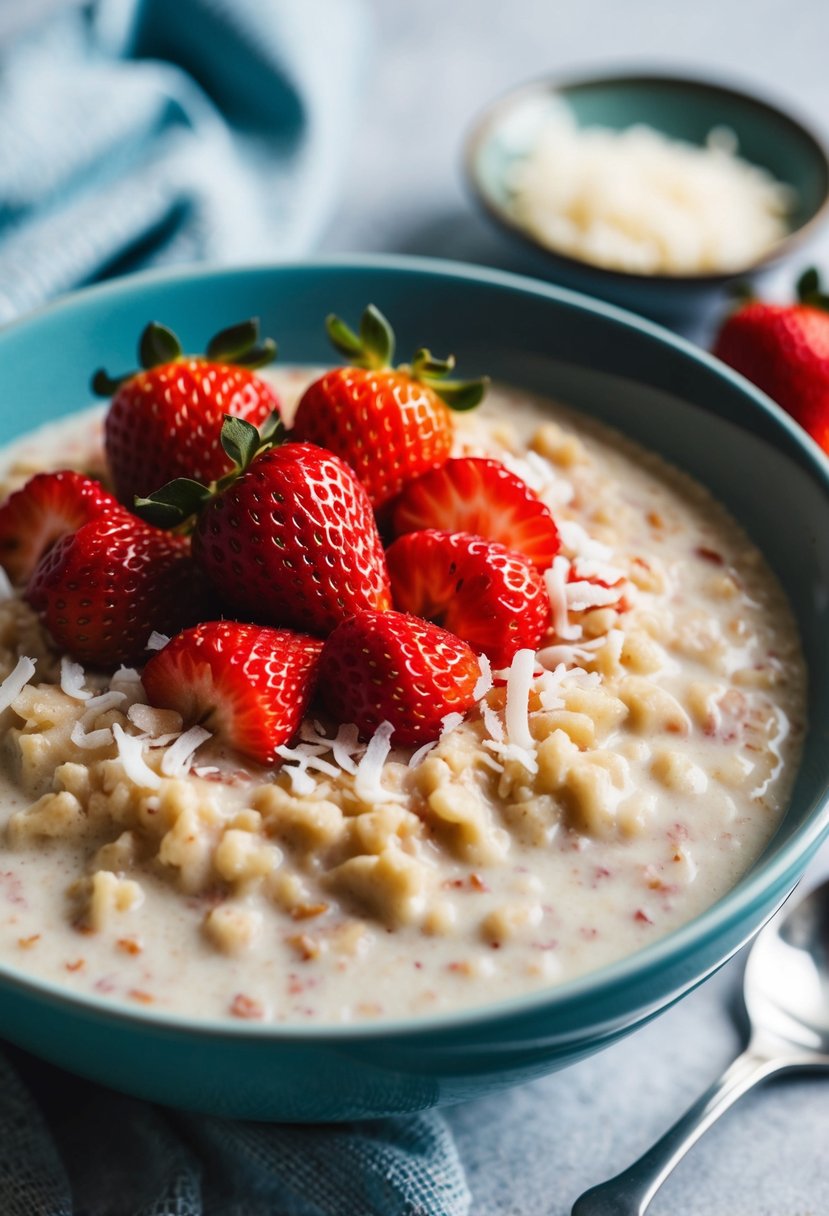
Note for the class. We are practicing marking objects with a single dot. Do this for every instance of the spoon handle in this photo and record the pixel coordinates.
(630, 1193)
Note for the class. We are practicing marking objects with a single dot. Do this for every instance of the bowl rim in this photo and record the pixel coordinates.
(779, 873)
(487, 120)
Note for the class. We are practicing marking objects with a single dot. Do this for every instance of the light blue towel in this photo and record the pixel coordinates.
(144, 132)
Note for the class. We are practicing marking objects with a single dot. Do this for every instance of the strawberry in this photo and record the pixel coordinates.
(102, 590)
(481, 496)
(49, 506)
(165, 421)
(248, 685)
(784, 350)
(389, 667)
(491, 597)
(287, 538)
(389, 424)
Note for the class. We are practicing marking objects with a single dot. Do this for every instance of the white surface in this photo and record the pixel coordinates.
(439, 61)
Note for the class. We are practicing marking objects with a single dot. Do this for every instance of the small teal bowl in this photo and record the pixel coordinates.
(680, 107)
(617, 367)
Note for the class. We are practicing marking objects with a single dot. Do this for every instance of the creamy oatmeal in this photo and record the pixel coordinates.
(606, 790)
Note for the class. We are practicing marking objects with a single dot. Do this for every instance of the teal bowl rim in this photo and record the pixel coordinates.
(560, 82)
(775, 876)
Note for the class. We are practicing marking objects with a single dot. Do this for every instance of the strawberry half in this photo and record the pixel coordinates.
(388, 667)
(49, 506)
(102, 590)
(389, 424)
(248, 685)
(481, 496)
(165, 421)
(491, 597)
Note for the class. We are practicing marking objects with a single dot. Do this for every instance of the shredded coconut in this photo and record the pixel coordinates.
(512, 751)
(100, 704)
(583, 595)
(448, 723)
(580, 543)
(344, 747)
(89, 740)
(130, 753)
(6, 589)
(72, 677)
(492, 723)
(484, 679)
(555, 580)
(176, 760)
(519, 683)
(368, 781)
(16, 681)
(308, 756)
(422, 752)
(157, 641)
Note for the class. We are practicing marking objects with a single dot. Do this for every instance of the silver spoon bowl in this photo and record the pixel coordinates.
(786, 993)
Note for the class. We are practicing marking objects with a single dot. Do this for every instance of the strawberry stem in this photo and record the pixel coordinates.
(809, 290)
(237, 345)
(177, 502)
(373, 349)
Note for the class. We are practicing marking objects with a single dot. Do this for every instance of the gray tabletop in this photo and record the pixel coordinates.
(437, 62)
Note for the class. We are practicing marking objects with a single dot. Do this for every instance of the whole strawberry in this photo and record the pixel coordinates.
(49, 506)
(101, 591)
(248, 685)
(389, 424)
(491, 597)
(784, 350)
(287, 538)
(388, 667)
(165, 421)
(478, 495)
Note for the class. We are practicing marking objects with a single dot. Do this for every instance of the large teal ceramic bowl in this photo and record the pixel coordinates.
(681, 107)
(612, 365)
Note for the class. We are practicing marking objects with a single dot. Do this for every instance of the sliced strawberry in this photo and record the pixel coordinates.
(250, 686)
(49, 506)
(388, 667)
(102, 590)
(481, 496)
(491, 597)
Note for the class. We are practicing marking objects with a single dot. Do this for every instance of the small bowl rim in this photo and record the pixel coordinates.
(552, 83)
(779, 873)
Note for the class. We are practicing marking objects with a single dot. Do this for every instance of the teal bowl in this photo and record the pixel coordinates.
(610, 364)
(684, 108)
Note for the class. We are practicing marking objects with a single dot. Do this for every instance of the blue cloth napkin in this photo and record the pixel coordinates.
(139, 133)
(145, 132)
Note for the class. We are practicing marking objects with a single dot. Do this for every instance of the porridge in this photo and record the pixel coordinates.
(609, 781)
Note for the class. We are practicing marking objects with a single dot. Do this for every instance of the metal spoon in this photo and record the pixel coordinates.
(786, 992)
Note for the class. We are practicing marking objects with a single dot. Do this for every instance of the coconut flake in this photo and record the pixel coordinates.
(517, 714)
(130, 753)
(301, 780)
(344, 747)
(157, 641)
(89, 740)
(72, 677)
(448, 723)
(16, 681)
(176, 760)
(580, 543)
(368, 781)
(422, 752)
(308, 756)
(484, 682)
(6, 589)
(512, 751)
(555, 580)
(598, 571)
(96, 706)
(582, 595)
(492, 723)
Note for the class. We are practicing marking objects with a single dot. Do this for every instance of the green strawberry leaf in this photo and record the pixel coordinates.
(257, 356)
(462, 395)
(228, 344)
(377, 337)
(426, 366)
(808, 284)
(372, 348)
(273, 430)
(240, 440)
(173, 503)
(104, 385)
(158, 344)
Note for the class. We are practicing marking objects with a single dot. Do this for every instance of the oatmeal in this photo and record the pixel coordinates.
(608, 785)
